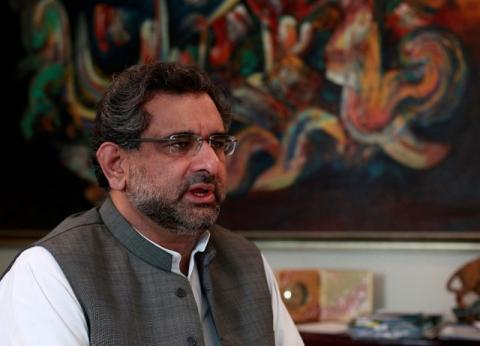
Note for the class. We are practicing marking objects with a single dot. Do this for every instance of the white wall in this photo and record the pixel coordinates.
(408, 278)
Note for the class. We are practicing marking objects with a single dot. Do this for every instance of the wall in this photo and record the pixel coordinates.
(408, 277)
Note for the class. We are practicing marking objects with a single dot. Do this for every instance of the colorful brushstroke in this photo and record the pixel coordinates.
(315, 84)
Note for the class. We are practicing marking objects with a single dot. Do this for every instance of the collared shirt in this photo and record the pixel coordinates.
(209, 333)
(39, 307)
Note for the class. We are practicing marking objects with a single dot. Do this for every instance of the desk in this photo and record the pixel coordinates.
(314, 339)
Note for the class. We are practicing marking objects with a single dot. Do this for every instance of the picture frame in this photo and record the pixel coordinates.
(357, 120)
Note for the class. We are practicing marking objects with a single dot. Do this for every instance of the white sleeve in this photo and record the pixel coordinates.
(38, 306)
(286, 333)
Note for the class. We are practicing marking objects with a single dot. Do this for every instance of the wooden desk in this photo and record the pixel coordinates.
(314, 339)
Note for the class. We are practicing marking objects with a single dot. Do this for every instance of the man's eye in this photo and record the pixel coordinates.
(218, 144)
(180, 145)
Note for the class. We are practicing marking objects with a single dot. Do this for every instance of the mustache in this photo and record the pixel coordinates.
(202, 178)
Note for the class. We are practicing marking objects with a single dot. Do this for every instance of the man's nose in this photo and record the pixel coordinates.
(207, 159)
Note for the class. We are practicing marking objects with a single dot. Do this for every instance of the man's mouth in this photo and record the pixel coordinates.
(202, 194)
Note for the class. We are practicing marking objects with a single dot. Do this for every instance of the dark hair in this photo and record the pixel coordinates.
(120, 115)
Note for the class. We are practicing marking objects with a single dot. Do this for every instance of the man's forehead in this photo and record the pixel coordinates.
(194, 113)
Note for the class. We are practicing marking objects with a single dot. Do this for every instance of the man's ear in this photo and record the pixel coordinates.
(110, 157)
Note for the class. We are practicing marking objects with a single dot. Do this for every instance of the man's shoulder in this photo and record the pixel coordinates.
(227, 239)
(75, 223)
(218, 231)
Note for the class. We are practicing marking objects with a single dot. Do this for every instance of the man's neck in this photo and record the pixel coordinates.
(181, 243)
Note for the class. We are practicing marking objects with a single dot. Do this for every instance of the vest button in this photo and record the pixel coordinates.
(180, 292)
(192, 341)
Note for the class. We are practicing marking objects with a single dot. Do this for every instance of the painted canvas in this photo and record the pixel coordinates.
(352, 115)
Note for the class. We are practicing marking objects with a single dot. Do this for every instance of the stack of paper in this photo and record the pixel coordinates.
(393, 326)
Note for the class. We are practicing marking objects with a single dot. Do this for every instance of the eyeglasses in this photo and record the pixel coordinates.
(183, 144)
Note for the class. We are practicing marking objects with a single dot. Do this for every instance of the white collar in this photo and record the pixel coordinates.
(176, 257)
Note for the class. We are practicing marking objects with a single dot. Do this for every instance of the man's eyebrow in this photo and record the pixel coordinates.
(194, 133)
(191, 133)
(180, 133)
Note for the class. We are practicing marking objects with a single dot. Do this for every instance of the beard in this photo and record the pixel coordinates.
(174, 213)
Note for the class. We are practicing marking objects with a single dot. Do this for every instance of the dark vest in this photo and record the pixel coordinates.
(130, 297)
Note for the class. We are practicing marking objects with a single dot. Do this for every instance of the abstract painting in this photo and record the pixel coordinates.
(352, 115)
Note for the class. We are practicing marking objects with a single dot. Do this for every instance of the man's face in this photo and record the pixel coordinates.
(181, 193)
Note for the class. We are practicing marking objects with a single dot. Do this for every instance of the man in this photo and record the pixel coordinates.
(149, 267)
